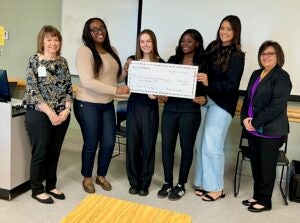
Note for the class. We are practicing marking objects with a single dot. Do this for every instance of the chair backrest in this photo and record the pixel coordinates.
(244, 144)
(283, 147)
(121, 115)
(244, 139)
(121, 109)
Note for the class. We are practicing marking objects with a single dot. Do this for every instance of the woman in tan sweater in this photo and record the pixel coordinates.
(99, 70)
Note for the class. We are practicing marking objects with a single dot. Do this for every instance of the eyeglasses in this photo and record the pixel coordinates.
(270, 54)
(96, 30)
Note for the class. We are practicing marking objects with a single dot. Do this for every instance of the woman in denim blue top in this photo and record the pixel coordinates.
(264, 116)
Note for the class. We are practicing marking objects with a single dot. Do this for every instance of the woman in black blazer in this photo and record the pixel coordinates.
(264, 115)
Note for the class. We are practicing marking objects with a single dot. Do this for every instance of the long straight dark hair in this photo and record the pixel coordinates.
(89, 42)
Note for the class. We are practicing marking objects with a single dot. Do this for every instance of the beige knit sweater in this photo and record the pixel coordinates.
(91, 89)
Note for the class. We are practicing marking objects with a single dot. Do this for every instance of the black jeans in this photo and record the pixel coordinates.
(46, 141)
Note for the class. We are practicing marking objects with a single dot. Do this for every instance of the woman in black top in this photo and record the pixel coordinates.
(142, 124)
(225, 62)
(181, 116)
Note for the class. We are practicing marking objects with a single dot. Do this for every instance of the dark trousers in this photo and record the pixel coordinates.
(142, 128)
(46, 140)
(98, 127)
(264, 153)
(185, 124)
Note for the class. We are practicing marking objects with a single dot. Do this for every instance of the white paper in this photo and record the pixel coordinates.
(162, 79)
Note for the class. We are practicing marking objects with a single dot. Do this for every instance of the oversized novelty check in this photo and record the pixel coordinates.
(162, 79)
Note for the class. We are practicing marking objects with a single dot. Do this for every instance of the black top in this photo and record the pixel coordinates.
(223, 86)
(269, 102)
(175, 104)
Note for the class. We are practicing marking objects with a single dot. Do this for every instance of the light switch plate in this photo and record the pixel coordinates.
(5, 34)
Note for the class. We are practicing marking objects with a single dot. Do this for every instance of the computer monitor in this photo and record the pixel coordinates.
(4, 87)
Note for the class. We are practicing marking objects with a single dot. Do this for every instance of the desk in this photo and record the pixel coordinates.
(15, 150)
(20, 82)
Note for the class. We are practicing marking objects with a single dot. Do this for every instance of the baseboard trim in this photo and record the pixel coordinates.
(10, 194)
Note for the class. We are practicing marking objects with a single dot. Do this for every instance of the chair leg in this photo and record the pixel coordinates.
(287, 183)
(119, 147)
(237, 174)
(284, 195)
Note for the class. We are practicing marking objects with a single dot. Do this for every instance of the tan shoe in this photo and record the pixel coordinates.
(105, 184)
(89, 188)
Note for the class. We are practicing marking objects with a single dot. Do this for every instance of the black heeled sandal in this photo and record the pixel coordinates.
(210, 198)
(200, 192)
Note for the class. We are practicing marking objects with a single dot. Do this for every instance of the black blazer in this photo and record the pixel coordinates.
(269, 102)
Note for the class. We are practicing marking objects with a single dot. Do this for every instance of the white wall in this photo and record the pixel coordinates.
(120, 18)
(261, 20)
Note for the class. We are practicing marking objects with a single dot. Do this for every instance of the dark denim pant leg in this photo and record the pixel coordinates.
(98, 127)
(107, 139)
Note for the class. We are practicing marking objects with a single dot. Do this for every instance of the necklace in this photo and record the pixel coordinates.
(102, 51)
(48, 57)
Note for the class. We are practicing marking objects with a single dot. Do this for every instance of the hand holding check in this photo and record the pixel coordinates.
(202, 77)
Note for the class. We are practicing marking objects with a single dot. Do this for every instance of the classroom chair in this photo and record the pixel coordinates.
(244, 155)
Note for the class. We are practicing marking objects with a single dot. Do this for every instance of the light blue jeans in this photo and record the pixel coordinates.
(209, 154)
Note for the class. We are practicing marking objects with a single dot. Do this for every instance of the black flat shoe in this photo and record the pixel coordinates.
(143, 192)
(48, 200)
(133, 190)
(265, 208)
(248, 203)
(57, 196)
